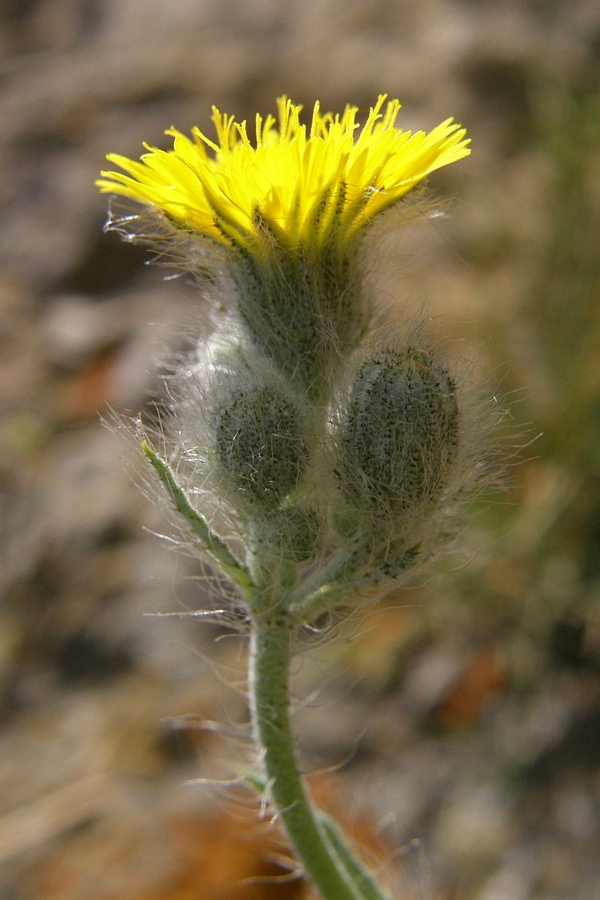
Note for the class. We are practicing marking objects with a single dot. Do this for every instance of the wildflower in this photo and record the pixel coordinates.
(307, 464)
(302, 189)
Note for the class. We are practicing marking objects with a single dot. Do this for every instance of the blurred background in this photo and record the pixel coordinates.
(456, 732)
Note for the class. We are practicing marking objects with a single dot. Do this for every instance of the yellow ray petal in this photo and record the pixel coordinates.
(308, 188)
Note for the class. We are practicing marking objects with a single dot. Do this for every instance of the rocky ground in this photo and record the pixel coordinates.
(457, 732)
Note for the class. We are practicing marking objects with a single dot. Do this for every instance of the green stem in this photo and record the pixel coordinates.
(347, 573)
(326, 858)
(270, 656)
(339, 571)
(361, 877)
(216, 548)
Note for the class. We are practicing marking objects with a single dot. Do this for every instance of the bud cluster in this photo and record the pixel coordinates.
(344, 493)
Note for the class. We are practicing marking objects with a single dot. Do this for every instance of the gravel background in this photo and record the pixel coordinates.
(458, 732)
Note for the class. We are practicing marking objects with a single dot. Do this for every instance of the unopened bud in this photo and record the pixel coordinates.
(399, 434)
(259, 435)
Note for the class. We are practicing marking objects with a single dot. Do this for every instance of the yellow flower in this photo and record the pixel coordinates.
(305, 189)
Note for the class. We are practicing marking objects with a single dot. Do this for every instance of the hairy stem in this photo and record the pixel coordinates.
(345, 580)
(214, 546)
(269, 690)
(326, 858)
(361, 877)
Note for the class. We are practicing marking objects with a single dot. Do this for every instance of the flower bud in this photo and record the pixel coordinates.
(259, 441)
(399, 433)
(297, 533)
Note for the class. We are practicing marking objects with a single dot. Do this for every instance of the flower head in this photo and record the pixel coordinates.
(303, 188)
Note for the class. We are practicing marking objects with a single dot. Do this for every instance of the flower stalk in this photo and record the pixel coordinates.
(270, 657)
(310, 464)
